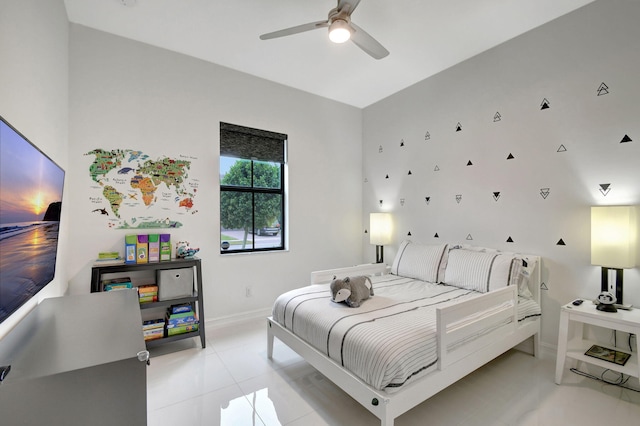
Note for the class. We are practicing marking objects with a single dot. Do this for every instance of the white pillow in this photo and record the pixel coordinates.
(418, 261)
(478, 271)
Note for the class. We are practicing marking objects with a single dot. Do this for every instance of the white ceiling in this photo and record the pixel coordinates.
(423, 36)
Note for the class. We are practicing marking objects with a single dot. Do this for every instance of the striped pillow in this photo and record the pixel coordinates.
(478, 271)
(419, 261)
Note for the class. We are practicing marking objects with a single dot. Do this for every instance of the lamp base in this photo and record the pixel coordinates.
(605, 307)
(609, 277)
(379, 254)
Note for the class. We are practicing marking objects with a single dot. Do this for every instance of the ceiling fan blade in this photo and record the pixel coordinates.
(295, 30)
(364, 41)
(352, 4)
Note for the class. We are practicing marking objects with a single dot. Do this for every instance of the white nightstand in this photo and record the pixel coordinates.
(575, 346)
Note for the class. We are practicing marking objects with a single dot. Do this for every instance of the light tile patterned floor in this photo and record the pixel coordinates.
(232, 382)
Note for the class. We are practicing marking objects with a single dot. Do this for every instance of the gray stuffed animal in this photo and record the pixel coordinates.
(351, 290)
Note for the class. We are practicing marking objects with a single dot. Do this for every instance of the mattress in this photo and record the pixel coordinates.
(390, 338)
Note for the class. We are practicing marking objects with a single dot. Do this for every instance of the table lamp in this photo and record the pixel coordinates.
(614, 238)
(380, 233)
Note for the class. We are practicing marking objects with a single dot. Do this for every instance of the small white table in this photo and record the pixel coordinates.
(575, 346)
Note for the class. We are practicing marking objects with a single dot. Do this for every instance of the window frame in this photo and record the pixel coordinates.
(254, 191)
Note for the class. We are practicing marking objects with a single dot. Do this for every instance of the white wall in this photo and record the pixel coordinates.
(125, 94)
(34, 99)
(565, 62)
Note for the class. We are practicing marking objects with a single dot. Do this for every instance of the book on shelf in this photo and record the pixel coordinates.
(108, 262)
(148, 288)
(148, 299)
(606, 354)
(153, 322)
(178, 322)
(148, 293)
(183, 318)
(117, 284)
(107, 255)
(177, 309)
(182, 329)
(153, 334)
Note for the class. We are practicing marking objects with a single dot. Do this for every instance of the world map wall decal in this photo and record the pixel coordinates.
(142, 192)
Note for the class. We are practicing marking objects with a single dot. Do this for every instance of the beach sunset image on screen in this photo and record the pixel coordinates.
(30, 204)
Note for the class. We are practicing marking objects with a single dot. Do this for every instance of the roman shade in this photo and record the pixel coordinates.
(251, 144)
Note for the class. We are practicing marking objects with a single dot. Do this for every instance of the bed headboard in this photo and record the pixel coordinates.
(535, 281)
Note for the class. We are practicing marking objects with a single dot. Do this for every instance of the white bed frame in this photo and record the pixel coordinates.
(452, 325)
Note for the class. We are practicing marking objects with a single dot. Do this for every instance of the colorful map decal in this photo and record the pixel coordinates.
(134, 191)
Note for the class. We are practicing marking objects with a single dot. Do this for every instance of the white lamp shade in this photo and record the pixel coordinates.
(614, 236)
(380, 228)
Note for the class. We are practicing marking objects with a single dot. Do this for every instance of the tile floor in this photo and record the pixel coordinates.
(232, 382)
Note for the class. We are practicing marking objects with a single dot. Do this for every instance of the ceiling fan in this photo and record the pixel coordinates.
(341, 29)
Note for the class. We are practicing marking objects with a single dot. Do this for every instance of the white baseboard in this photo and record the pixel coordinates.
(238, 318)
(548, 351)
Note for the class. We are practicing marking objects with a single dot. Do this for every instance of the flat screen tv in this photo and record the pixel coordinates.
(30, 204)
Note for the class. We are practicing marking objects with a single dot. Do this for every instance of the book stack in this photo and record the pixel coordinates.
(116, 284)
(153, 329)
(181, 319)
(108, 258)
(148, 293)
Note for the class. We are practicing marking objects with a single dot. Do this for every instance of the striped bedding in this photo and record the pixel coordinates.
(388, 340)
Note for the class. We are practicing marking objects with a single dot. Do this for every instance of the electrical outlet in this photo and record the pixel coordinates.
(248, 292)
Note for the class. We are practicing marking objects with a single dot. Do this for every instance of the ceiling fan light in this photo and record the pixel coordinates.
(339, 31)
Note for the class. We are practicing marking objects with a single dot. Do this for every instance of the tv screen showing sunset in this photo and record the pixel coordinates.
(30, 204)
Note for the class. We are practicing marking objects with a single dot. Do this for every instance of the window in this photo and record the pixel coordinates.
(252, 189)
